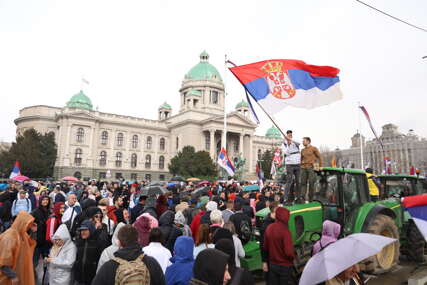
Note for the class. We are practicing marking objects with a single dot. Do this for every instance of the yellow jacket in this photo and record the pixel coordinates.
(373, 188)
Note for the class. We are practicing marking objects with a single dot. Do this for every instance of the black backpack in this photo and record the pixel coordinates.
(245, 231)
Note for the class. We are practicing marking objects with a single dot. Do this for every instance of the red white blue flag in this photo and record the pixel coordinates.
(368, 118)
(278, 83)
(417, 208)
(16, 171)
(225, 162)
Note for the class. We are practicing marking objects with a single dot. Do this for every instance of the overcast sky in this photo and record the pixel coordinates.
(136, 53)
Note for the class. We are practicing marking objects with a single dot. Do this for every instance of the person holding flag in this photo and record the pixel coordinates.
(292, 161)
(225, 162)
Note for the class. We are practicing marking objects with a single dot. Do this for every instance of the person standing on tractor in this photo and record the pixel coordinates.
(292, 161)
(310, 161)
(374, 187)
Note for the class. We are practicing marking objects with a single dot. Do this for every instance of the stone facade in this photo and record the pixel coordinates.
(404, 150)
(96, 144)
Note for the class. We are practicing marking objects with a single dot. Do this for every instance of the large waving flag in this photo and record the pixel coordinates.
(417, 208)
(278, 83)
(225, 162)
(368, 118)
(15, 171)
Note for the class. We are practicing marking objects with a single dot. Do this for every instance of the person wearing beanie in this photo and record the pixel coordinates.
(210, 268)
(210, 206)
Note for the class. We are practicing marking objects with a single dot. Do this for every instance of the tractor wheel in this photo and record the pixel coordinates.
(415, 243)
(389, 255)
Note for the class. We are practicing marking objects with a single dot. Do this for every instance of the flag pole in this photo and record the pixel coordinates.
(268, 115)
(360, 137)
(224, 133)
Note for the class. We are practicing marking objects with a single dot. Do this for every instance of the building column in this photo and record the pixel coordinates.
(251, 155)
(212, 143)
(241, 145)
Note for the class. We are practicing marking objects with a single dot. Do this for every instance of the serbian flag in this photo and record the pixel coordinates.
(225, 162)
(368, 118)
(417, 208)
(16, 171)
(278, 83)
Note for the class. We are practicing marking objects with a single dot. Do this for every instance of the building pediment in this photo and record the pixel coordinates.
(233, 118)
(78, 114)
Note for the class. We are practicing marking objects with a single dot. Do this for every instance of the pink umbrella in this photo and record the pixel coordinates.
(70, 178)
(20, 178)
(204, 182)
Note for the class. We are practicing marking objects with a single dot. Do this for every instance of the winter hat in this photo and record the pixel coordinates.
(180, 218)
(211, 205)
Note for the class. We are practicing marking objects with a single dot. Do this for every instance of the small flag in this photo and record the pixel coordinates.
(16, 171)
(278, 83)
(277, 158)
(368, 118)
(417, 207)
(273, 169)
(225, 162)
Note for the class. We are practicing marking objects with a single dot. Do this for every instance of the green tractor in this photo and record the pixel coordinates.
(341, 195)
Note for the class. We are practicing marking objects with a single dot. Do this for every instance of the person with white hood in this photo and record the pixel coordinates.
(108, 253)
(61, 257)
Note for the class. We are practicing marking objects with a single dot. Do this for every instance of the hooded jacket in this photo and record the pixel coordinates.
(278, 240)
(17, 249)
(143, 226)
(41, 214)
(61, 265)
(108, 253)
(181, 270)
(54, 221)
(209, 267)
(107, 273)
(169, 230)
(330, 233)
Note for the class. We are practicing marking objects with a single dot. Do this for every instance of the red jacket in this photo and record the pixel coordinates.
(278, 240)
(195, 224)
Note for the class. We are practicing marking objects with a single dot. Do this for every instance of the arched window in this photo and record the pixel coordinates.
(120, 139)
(133, 160)
(119, 157)
(103, 158)
(162, 143)
(135, 141)
(161, 162)
(104, 137)
(78, 156)
(148, 161)
(259, 154)
(149, 142)
(80, 135)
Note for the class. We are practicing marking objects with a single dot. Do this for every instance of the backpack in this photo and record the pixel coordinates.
(133, 272)
(245, 231)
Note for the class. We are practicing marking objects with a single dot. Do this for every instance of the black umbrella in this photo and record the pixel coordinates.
(202, 191)
(153, 190)
(177, 178)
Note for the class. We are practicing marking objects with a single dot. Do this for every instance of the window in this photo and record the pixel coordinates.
(177, 142)
(80, 135)
(133, 176)
(104, 137)
(135, 141)
(102, 175)
(148, 177)
(133, 160)
(119, 157)
(78, 156)
(161, 177)
(236, 147)
(120, 139)
(259, 154)
(149, 142)
(119, 175)
(214, 97)
(207, 142)
(161, 162)
(162, 144)
(103, 158)
(148, 161)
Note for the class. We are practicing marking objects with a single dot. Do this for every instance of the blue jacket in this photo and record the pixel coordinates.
(21, 205)
(181, 270)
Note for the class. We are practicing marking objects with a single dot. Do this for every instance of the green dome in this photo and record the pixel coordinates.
(81, 101)
(165, 106)
(242, 103)
(273, 133)
(203, 70)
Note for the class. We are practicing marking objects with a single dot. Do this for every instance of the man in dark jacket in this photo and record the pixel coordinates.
(88, 253)
(41, 214)
(169, 230)
(129, 251)
(280, 249)
(150, 207)
(136, 211)
(237, 219)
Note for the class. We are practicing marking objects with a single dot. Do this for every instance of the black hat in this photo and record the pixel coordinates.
(289, 132)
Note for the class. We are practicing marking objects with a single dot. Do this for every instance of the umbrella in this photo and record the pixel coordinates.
(155, 183)
(192, 179)
(70, 178)
(204, 182)
(153, 190)
(171, 184)
(20, 178)
(263, 212)
(177, 178)
(253, 187)
(202, 191)
(342, 254)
